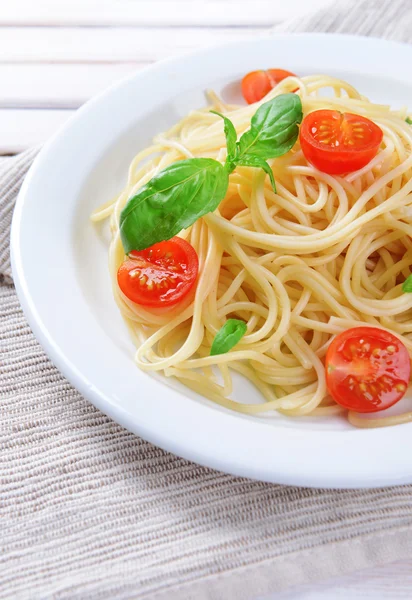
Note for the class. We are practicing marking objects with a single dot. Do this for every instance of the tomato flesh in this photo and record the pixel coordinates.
(367, 369)
(256, 84)
(338, 143)
(161, 275)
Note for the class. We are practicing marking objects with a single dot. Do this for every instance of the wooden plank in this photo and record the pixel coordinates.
(214, 13)
(102, 45)
(20, 129)
(57, 86)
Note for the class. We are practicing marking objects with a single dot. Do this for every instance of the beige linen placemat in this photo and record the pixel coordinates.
(88, 510)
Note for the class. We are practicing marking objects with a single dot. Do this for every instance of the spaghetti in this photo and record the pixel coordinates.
(322, 254)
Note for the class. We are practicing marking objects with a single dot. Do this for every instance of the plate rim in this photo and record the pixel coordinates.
(293, 474)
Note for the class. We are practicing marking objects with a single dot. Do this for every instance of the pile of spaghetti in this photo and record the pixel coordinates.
(322, 254)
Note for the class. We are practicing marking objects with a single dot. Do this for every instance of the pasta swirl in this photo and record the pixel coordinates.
(322, 254)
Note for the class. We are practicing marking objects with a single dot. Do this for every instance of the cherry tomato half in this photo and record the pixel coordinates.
(367, 369)
(256, 84)
(337, 143)
(161, 275)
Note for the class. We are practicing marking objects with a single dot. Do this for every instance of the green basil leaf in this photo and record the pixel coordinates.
(231, 136)
(171, 201)
(228, 336)
(257, 161)
(408, 120)
(407, 285)
(273, 128)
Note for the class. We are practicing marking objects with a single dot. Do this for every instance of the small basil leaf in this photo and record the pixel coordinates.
(273, 128)
(407, 285)
(231, 135)
(408, 120)
(171, 201)
(228, 336)
(256, 161)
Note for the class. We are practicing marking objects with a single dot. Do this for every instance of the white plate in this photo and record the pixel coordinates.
(60, 267)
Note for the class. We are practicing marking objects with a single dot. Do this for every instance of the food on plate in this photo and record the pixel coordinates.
(367, 369)
(274, 240)
(257, 84)
(339, 143)
(160, 275)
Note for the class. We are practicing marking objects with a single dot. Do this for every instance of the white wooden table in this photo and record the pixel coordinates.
(55, 54)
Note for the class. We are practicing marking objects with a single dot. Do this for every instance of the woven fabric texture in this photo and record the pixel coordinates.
(89, 510)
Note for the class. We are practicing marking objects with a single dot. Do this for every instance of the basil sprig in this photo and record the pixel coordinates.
(172, 201)
(407, 285)
(257, 161)
(408, 120)
(231, 137)
(273, 128)
(188, 189)
(228, 336)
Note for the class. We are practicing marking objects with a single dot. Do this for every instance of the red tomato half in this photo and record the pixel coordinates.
(337, 143)
(367, 369)
(256, 84)
(161, 275)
